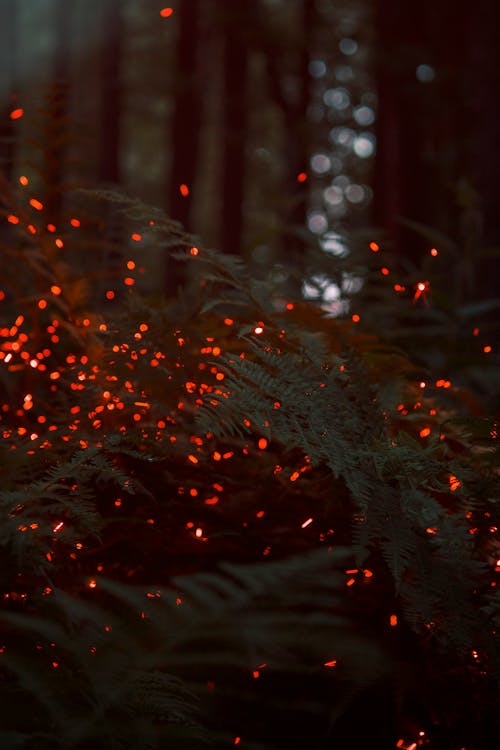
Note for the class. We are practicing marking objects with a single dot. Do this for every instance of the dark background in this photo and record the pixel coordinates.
(277, 115)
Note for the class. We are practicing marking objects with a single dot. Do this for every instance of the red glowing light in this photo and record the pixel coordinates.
(259, 328)
(42, 304)
(421, 288)
(374, 247)
(262, 444)
(393, 620)
(355, 318)
(36, 204)
(13, 219)
(184, 190)
(166, 12)
(454, 483)
(433, 252)
(194, 251)
(331, 663)
(302, 177)
(16, 113)
(486, 349)
(23, 180)
(306, 523)
(425, 432)
(136, 237)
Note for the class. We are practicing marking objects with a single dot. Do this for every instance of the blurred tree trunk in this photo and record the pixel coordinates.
(423, 122)
(109, 170)
(184, 138)
(109, 167)
(289, 84)
(236, 19)
(485, 85)
(57, 119)
(8, 83)
(402, 181)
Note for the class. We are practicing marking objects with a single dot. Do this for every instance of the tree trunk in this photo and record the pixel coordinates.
(8, 85)
(56, 129)
(234, 132)
(289, 83)
(184, 139)
(109, 167)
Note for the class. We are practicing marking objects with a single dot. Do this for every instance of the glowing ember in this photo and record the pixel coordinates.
(166, 12)
(421, 288)
(36, 204)
(302, 177)
(16, 113)
(374, 247)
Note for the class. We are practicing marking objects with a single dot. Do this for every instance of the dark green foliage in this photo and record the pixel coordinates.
(212, 509)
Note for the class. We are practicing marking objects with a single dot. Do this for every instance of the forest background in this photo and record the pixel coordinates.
(341, 157)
